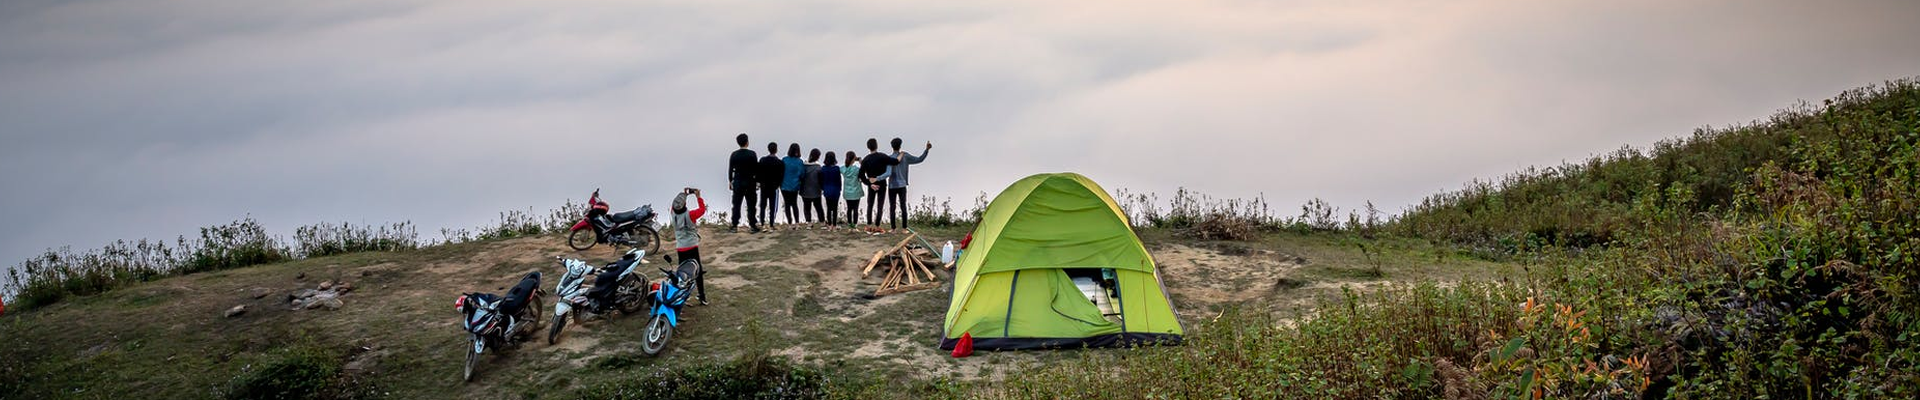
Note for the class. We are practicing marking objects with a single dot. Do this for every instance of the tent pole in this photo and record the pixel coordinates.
(1120, 299)
(1007, 324)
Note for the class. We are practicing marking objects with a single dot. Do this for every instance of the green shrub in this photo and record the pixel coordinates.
(58, 274)
(239, 244)
(746, 377)
(291, 373)
(1765, 261)
(322, 240)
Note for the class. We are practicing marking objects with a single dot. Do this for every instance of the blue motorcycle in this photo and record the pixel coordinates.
(669, 296)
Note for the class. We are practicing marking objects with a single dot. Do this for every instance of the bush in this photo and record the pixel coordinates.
(1765, 261)
(747, 377)
(292, 373)
(1412, 342)
(322, 240)
(239, 244)
(57, 274)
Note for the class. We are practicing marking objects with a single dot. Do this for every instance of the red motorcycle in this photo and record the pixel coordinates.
(631, 228)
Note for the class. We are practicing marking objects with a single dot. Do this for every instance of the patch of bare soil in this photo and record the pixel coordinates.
(1199, 279)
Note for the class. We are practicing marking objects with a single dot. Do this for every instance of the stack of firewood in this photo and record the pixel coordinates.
(903, 268)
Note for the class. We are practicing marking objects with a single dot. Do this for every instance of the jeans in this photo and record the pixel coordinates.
(811, 207)
(769, 203)
(833, 210)
(875, 203)
(792, 207)
(897, 202)
(853, 212)
(745, 195)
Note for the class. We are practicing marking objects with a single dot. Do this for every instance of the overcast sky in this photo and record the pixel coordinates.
(128, 119)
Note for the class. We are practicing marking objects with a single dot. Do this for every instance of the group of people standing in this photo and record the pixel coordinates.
(810, 188)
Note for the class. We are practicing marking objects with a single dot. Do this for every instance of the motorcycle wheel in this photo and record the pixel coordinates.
(553, 334)
(658, 331)
(582, 240)
(633, 302)
(648, 239)
(535, 312)
(472, 358)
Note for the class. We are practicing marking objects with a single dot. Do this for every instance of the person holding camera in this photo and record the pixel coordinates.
(686, 235)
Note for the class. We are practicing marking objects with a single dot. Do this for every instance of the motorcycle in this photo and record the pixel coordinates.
(498, 321)
(617, 287)
(669, 296)
(631, 228)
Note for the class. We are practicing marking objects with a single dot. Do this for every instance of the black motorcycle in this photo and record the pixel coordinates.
(631, 228)
(499, 321)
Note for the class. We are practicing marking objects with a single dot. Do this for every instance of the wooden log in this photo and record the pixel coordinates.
(914, 266)
(870, 263)
(913, 276)
(893, 274)
(930, 276)
(887, 279)
(908, 288)
(903, 244)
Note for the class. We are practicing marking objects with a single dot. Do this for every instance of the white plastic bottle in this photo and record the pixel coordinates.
(946, 253)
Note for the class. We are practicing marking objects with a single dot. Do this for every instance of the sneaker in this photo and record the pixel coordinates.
(733, 229)
(703, 302)
(756, 230)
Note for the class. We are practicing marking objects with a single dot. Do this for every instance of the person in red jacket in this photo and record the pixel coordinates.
(686, 234)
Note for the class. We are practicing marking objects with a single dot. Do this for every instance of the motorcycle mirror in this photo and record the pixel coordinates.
(669, 258)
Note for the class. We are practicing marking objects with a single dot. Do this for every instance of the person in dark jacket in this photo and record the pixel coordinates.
(769, 174)
(829, 177)
(810, 188)
(873, 166)
(740, 174)
(790, 183)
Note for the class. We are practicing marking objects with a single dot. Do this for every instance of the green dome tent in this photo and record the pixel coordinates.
(1044, 247)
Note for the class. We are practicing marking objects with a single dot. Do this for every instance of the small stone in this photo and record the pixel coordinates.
(327, 303)
(343, 287)
(326, 285)
(236, 311)
(302, 275)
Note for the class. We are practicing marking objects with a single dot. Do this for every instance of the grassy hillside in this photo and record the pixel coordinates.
(790, 315)
(1775, 260)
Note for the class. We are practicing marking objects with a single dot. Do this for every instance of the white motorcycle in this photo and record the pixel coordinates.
(616, 287)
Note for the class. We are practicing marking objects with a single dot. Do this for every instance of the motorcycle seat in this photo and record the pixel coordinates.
(516, 298)
(628, 216)
(688, 270)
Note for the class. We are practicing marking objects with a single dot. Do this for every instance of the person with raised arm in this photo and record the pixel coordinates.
(897, 183)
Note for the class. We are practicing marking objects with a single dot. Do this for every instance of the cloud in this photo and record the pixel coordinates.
(125, 119)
